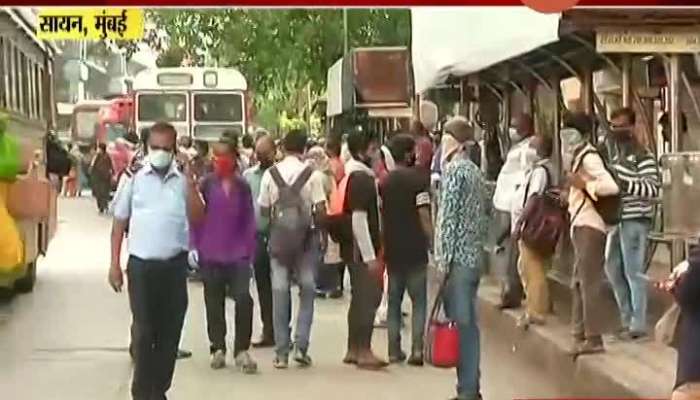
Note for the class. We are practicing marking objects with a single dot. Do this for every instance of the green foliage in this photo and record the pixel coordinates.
(279, 51)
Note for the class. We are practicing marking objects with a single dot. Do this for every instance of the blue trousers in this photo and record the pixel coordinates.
(460, 302)
(624, 266)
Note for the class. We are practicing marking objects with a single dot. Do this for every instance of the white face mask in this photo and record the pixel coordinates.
(160, 159)
(515, 137)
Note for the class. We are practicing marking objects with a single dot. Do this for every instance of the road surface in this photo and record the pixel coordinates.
(67, 340)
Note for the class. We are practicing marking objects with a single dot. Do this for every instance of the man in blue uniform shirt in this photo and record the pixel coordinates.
(152, 201)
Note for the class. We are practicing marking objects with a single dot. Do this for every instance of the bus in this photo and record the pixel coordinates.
(27, 98)
(200, 103)
(85, 124)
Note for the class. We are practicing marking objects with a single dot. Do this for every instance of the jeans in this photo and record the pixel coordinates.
(460, 305)
(588, 306)
(624, 267)
(282, 303)
(366, 296)
(415, 281)
(220, 280)
(158, 300)
(263, 282)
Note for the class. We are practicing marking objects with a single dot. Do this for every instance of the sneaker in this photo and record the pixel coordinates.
(246, 363)
(302, 358)
(281, 362)
(218, 360)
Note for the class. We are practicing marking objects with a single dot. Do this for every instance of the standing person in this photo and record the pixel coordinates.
(288, 195)
(532, 265)
(637, 175)
(157, 266)
(71, 182)
(265, 150)
(326, 274)
(510, 178)
(462, 226)
(407, 235)
(685, 286)
(589, 180)
(222, 207)
(424, 145)
(101, 174)
(333, 150)
(248, 150)
(361, 252)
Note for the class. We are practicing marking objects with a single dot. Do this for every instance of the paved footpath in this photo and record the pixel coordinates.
(67, 340)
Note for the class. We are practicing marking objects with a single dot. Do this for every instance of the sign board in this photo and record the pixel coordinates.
(616, 40)
(91, 23)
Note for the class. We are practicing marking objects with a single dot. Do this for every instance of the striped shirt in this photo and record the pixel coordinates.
(638, 175)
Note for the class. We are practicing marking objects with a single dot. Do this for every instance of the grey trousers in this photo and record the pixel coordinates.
(506, 263)
(589, 287)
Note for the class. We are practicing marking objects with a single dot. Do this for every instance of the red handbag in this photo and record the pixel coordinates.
(442, 335)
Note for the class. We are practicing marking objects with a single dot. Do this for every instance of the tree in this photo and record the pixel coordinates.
(279, 51)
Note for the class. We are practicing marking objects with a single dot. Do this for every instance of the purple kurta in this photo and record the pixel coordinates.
(226, 234)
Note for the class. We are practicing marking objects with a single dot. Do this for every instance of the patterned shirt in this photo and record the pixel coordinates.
(464, 214)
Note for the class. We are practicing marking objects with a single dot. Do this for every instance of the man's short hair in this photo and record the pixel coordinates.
(230, 139)
(401, 145)
(625, 112)
(248, 142)
(358, 142)
(163, 128)
(295, 141)
(334, 145)
(580, 121)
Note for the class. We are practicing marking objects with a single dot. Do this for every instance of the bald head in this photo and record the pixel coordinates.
(460, 129)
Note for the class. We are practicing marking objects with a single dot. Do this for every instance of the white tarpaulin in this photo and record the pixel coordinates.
(334, 90)
(456, 41)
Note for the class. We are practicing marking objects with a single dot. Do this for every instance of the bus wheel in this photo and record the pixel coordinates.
(26, 283)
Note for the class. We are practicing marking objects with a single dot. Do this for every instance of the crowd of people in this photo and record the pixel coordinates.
(295, 213)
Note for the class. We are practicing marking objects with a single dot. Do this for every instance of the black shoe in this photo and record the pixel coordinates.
(183, 354)
(320, 294)
(416, 360)
(336, 294)
(397, 359)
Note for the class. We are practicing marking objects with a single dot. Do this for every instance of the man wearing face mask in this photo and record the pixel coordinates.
(153, 202)
(462, 228)
(511, 177)
(589, 180)
(222, 206)
(407, 236)
(637, 173)
(265, 151)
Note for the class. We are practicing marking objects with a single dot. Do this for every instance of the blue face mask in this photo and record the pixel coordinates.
(160, 159)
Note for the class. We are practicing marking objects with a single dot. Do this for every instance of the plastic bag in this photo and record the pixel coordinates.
(10, 157)
(11, 246)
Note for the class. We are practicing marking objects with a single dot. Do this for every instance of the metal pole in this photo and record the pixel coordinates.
(626, 84)
(674, 101)
(345, 31)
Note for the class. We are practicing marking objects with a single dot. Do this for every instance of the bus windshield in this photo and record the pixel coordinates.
(86, 123)
(162, 107)
(218, 107)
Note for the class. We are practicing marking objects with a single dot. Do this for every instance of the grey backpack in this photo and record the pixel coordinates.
(290, 224)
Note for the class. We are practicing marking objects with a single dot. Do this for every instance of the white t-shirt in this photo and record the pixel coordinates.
(290, 168)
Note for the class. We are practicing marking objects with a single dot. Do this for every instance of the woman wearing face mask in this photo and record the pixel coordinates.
(226, 246)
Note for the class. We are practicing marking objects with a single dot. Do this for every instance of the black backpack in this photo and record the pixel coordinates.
(608, 207)
(58, 160)
(291, 221)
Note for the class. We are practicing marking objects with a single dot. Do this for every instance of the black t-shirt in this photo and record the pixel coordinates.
(405, 242)
(361, 196)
